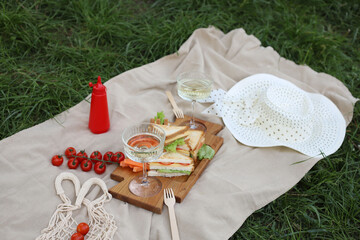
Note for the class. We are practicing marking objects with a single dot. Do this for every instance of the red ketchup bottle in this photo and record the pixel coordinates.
(99, 114)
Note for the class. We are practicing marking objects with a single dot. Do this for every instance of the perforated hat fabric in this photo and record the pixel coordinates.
(264, 110)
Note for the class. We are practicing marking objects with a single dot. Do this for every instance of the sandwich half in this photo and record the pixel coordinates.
(183, 149)
(173, 132)
(195, 139)
(171, 164)
(176, 139)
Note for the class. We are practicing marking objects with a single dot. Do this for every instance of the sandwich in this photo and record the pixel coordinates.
(174, 133)
(176, 138)
(195, 140)
(181, 148)
(171, 164)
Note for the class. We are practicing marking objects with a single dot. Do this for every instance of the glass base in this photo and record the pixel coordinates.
(145, 189)
(195, 126)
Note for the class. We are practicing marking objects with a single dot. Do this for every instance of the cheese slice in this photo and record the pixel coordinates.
(174, 157)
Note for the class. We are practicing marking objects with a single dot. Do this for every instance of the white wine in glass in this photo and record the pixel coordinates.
(193, 86)
(144, 143)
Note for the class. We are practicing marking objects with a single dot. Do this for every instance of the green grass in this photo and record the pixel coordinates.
(51, 49)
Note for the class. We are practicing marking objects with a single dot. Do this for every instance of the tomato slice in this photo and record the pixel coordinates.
(185, 164)
(201, 144)
(166, 163)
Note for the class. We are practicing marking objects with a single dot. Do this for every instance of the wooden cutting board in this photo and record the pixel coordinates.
(180, 185)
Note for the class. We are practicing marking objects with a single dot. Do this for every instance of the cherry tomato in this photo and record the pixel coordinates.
(57, 160)
(77, 236)
(82, 228)
(107, 157)
(118, 157)
(81, 156)
(86, 165)
(70, 152)
(100, 167)
(73, 163)
(95, 155)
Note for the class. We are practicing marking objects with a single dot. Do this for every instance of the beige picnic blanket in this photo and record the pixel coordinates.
(238, 181)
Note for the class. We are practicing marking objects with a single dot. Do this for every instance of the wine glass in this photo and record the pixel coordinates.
(144, 143)
(193, 86)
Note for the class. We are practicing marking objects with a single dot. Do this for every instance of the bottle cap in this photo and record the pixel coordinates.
(98, 88)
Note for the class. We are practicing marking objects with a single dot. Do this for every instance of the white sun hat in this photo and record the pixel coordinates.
(264, 110)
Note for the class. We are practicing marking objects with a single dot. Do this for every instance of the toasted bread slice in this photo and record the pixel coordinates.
(154, 173)
(195, 151)
(174, 157)
(184, 152)
(173, 131)
(176, 137)
(183, 149)
(194, 138)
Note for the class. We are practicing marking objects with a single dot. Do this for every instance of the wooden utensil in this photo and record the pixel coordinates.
(169, 200)
(177, 111)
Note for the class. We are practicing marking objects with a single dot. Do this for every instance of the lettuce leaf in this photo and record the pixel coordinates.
(161, 116)
(173, 171)
(172, 146)
(206, 152)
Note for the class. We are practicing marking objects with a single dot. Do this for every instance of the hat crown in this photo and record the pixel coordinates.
(290, 102)
(286, 114)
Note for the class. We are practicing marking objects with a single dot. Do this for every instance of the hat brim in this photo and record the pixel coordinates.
(329, 125)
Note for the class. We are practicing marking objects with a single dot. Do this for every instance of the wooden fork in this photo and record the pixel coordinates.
(169, 200)
(177, 111)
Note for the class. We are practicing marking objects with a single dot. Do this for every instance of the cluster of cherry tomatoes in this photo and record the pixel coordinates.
(81, 230)
(86, 163)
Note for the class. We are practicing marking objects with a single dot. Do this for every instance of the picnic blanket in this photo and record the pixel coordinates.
(237, 182)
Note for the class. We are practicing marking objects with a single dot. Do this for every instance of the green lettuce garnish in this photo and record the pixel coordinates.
(161, 116)
(206, 152)
(174, 171)
(172, 146)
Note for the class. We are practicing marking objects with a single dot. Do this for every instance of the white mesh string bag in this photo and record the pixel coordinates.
(102, 224)
(62, 225)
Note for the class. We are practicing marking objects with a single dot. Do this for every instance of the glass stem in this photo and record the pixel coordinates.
(192, 121)
(144, 180)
